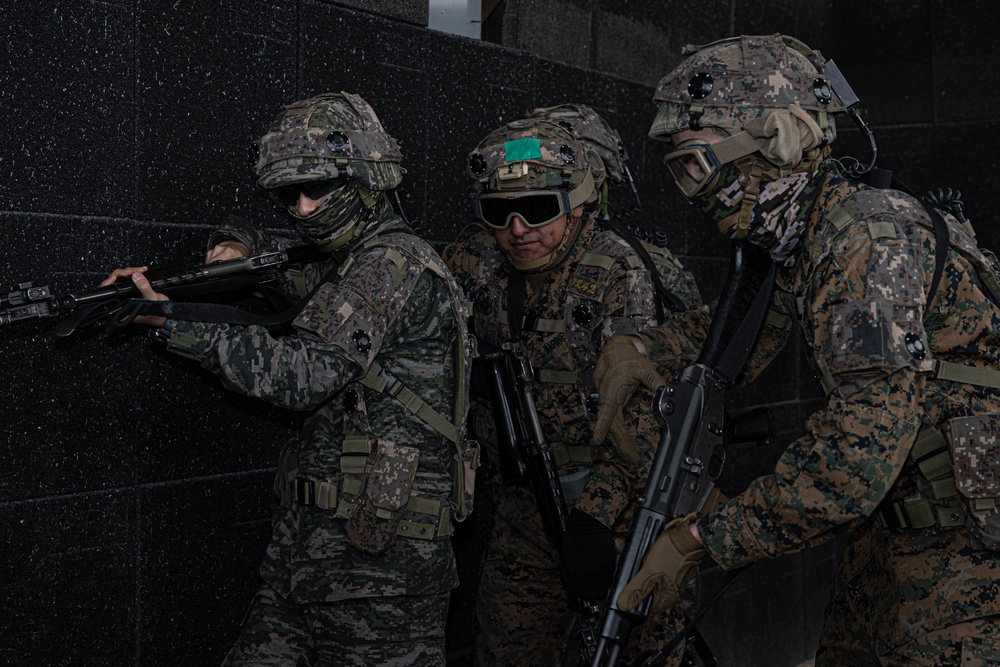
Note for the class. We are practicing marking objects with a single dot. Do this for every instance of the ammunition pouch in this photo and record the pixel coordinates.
(424, 517)
(378, 507)
(389, 479)
(975, 448)
(961, 487)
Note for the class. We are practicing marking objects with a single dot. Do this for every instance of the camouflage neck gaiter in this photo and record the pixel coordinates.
(778, 216)
(342, 217)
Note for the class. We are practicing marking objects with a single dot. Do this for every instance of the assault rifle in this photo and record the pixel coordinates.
(83, 308)
(526, 457)
(695, 430)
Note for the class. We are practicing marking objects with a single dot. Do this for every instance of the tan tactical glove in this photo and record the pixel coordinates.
(667, 568)
(620, 370)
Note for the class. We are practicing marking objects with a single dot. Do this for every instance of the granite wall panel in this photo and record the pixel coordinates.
(68, 94)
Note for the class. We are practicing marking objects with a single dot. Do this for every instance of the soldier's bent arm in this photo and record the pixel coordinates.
(614, 477)
(337, 336)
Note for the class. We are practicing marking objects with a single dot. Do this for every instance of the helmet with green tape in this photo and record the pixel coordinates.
(532, 154)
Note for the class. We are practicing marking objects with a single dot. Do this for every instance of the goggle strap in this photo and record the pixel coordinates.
(739, 145)
(582, 193)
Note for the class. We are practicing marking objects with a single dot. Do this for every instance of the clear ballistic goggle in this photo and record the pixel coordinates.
(694, 166)
(536, 208)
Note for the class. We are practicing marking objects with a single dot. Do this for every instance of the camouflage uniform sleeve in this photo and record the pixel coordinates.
(462, 263)
(677, 342)
(338, 335)
(296, 372)
(865, 300)
(613, 481)
(838, 472)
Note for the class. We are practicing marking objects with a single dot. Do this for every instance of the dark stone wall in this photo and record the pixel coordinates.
(135, 498)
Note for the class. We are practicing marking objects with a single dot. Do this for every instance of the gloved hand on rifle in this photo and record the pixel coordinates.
(620, 370)
(587, 557)
(671, 561)
(668, 567)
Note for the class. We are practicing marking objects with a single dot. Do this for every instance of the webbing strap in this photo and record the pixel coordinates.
(352, 464)
(944, 488)
(557, 377)
(737, 146)
(916, 513)
(937, 465)
(946, 370)
(354, 454)
(563, 453)
(324, 496)
(540, 324)
(779, 320)
(911, 513)
(929, 440)
(380, 381)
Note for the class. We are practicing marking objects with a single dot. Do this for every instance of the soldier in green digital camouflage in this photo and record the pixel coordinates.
(540, 270)
(360, 568)
(906, 450)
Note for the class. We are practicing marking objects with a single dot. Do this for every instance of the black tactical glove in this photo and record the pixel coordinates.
(588, 557)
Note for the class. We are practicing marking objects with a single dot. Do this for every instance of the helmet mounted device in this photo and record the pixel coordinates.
(850, 99)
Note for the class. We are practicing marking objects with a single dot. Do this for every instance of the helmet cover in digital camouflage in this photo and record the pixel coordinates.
(531, 154)
(602, 143)
(730, 82)
(334, 135)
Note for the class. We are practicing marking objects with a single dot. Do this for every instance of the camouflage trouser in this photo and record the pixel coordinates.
(393, 631)
(974, 643)
(524, 616)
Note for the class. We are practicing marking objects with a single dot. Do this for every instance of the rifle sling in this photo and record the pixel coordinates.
(739, 346)
(210, 312)
(517, 294)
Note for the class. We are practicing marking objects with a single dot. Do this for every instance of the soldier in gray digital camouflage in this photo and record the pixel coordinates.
(541, 269)
(906, 450)
(360, 566)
